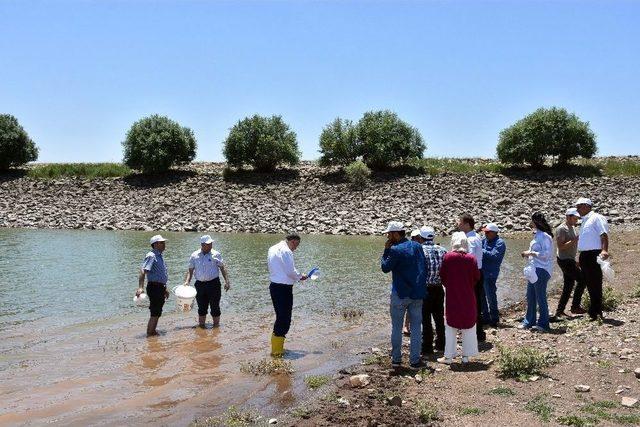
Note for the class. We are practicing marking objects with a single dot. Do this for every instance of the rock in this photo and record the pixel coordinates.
(359, 380)
(343, 401)
(534, 378)
(582, 388)
(626, 351)
(629, 402)
(273, 421)
(637, 373)
(557, 396)
(418, 378)
(394, 401)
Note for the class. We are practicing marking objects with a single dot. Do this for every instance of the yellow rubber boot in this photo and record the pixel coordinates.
(277, 346)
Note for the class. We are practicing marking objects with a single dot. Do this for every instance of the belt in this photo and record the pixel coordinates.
(156, 284)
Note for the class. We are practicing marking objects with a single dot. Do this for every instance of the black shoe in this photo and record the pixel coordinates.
(396, 364)
(418, 365)
(427, 351)
(482, 338)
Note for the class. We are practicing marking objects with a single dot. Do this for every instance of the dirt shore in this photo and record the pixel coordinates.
(602, 356)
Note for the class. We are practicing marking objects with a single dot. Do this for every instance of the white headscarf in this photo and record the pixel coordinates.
(459, 242)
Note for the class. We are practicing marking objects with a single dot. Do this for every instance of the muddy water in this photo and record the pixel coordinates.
(72, 348)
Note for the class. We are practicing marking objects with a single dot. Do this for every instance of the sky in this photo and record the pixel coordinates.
(78, 74)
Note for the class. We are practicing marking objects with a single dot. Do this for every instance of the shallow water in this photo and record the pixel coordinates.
(72, 347)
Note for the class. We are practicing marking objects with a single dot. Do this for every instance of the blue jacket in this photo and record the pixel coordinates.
(492, 256)
(406, 263)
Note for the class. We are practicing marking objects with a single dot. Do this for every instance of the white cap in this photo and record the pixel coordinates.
(491, 227)
(206, 240)
(394, 226)
(415, 233)
(584, 201)
(572, 212)
(157, 238)
(427, 233)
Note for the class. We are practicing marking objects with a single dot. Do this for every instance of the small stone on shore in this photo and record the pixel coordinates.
(582, 388)
(629, 402)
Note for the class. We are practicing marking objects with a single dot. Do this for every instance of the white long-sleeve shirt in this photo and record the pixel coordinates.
(475, 247)
(281, 266)
(541, 247)
(593, 226)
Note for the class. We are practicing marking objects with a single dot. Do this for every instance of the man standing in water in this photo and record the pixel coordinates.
(207, 265)
(282, 274)
(405, 259)
(155, 270)
(466, 223)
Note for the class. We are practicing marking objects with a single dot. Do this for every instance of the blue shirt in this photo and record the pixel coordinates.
(406, 263)
(492, 256)
(155, 267)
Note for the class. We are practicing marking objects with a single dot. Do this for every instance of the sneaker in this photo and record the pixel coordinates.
(539, 329)
(523, 326)
(445, 360)
(396, 364)
(418, 365)
(578, 310)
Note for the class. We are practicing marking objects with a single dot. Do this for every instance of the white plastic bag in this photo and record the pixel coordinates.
(607, 272)
(530, 272)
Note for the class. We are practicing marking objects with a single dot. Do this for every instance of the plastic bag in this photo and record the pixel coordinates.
(530, 272)
(607, 272)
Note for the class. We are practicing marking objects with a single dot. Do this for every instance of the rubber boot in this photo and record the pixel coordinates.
(277, 346)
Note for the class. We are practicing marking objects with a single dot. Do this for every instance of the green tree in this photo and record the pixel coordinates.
(16, 148)
(261, 142)
(386, 140)
(551, 132)
(339, 143)
(156, 143)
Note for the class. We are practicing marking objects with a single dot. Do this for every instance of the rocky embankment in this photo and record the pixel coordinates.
(308, 199)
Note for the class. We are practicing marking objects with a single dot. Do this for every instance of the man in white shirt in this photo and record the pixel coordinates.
(593, 242)
(207, 264)
(466, 223)
(282, 274)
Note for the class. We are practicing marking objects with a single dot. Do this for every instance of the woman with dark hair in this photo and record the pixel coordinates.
(540, 253)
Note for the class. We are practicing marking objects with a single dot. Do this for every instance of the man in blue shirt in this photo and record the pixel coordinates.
(155, 270)
(405, 260)
(493, 250)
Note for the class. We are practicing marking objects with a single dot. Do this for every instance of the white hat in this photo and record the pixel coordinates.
(206, 240)
(415, 233)
(427, 232)
(572, 212)
(157, 238)
(394, 226)
(491, 227)
(584, 201)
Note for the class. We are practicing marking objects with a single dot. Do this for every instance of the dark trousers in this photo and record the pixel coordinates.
(479, 297)
(592, 276)
(282, 298)
(208, 295)
(433, 306)
(157, 296)
(572, 276)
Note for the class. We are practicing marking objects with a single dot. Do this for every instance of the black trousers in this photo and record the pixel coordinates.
(433, 306)
(282, 298)
(156, 294)
(208, 296)
(592, 276)
(572, 276)
(479, 297)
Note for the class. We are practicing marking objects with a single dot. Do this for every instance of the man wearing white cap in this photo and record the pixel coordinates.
(405, 259)
(567, 243)
(593, 243)
(155, 270)
(493, 250)
(207, 264)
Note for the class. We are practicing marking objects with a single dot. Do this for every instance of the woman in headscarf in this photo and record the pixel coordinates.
(459, 274)
(541, 254)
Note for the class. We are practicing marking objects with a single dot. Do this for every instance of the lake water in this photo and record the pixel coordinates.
(72, 344)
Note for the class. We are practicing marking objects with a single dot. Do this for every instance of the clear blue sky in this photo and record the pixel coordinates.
(77, 74)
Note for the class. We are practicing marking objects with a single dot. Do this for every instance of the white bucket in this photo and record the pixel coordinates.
(184, 297)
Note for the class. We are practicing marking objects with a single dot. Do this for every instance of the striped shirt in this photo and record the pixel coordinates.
(433, 254)
(155, 267)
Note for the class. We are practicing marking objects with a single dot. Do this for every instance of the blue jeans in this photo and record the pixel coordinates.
(537, 295)
(490, 313)
(397, 309)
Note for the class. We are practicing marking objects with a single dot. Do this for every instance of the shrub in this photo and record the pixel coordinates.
(611, 299)
(522, 362)
(261, 142)
(358, 174)
(84, 170)
(546, 132)
(338, 143)
(384, 140)
(156, 143)
(427, 412)
(16, 148)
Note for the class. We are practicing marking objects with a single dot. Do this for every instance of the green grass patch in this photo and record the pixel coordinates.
(539, 406)
(471, 411)
(635, 293)
(426, 412)
(611, 299)
(618, 167)
(233, 417)
(316, 381)
(435, 165)
(374, 359)
(522, 362)
(303, 413)
(502, 391)
(81, 170)
(269, 366)
(604, 364)
(577, 421)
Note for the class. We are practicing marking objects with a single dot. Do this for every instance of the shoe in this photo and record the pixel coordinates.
(277, 346)
(445, 360)
(523, 326)
(482, 338)
(465, 359)
(493, 324)
(418, 365)
(539, 329)
(396, 364)
(427, 351)
(578, 310)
